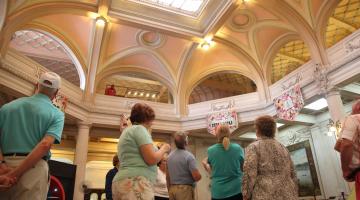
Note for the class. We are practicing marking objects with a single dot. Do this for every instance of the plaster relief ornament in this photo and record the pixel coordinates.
(352, 45)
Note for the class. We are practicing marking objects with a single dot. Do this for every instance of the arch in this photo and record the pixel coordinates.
(3, 11)
(304, 29)
(19, 19)
(322, 18)
(273, 50)
(138, 50)
(222, 68)
(211, 94)
(68, 50)
(112, 70)
(265, 24)
(278, 46)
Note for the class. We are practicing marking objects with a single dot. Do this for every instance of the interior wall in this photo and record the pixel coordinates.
(326, 159)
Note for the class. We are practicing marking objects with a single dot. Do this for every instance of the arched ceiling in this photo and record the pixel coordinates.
(291, 56)
(344, 20)
(262, 40)
(221, 86)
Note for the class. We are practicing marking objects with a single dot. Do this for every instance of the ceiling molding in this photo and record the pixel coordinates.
(138, 50)
(150, 16)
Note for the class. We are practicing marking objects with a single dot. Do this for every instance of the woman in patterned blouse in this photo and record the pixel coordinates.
(268, 170)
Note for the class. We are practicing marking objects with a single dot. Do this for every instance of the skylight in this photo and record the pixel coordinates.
(317, 105)
(187, 7)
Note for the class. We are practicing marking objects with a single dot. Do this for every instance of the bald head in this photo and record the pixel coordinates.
(180, 140)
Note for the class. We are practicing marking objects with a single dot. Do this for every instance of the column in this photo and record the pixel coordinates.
(335, 105)
(81, 157)
(3, 9)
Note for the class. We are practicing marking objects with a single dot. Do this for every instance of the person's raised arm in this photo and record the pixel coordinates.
(206, 165)
(152, 157)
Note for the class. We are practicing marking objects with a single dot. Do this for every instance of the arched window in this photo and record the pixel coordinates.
(220, 86)
(50, 52)
(291, 56)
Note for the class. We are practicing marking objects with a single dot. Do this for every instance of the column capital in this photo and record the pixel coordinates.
(321, 78)
(83, 124)
(332, 91)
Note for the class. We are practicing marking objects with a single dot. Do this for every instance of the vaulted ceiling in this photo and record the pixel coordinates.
(155, 48)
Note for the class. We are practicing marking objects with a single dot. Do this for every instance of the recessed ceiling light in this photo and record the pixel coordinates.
(129, 92)
(278, 125)
(147, 95)
(317, 105)
(135, 93)
(153, 96)
(141, 94)
(100, 21)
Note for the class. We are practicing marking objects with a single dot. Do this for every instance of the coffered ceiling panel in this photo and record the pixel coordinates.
(221, 86)
(291, 56)
(66, 70)
(344, 21)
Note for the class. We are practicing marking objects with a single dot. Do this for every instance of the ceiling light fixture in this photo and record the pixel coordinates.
(317, 105)
(141, 94)
(135, 93)
(100, 21)
(129, 92)
(147, 95)
(207, 43)
(153, 96)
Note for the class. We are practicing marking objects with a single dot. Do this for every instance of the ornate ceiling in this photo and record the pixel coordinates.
(140, 46)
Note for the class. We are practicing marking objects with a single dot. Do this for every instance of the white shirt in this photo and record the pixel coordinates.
(160, 188)
(349, 127)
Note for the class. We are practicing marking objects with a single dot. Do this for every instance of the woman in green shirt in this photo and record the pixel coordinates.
(224, 163)
(138, 157)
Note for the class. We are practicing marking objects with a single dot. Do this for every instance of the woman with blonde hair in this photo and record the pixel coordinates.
(224, 163)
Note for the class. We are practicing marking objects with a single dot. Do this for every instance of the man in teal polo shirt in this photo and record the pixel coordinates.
(28, 127)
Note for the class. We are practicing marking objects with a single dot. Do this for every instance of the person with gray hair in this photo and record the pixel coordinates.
(29, 126)
(182, 172)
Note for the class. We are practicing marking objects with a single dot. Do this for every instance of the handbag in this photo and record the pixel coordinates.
(349, 154)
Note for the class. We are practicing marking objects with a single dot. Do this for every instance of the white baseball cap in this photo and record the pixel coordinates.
(50, 80)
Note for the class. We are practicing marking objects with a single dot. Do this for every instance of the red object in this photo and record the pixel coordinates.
(110, 90)
(56, 189)
(357, 186)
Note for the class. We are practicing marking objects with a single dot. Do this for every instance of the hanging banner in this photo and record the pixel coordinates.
(225, 117)
(289, 103)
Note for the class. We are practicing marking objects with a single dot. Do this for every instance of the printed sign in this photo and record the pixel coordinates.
(224, 117)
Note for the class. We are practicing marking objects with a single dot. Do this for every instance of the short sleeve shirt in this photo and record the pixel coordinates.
(226, 175)
(349, 127)
(180, 164)
(132, 162)
(24, 123)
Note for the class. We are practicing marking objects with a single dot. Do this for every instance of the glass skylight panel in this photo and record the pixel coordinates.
(187, 7)
(317, 105)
